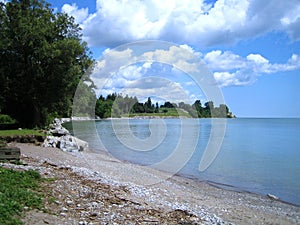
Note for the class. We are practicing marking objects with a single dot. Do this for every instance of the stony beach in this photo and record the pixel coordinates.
(94, 188)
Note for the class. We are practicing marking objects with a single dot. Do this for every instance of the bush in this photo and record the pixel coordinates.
(6, 119)
(50, 118)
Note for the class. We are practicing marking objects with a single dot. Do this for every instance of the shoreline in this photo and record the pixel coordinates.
(199, 198)
(229, 187)
(222, 186)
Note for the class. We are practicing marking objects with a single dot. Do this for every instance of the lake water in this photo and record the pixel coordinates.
(256, 155)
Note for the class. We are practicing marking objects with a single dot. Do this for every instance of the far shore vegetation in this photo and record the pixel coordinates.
(116, 106)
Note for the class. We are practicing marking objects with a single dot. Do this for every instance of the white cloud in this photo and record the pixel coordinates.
(192, 22)
(174, 56)
(218, 60)
(231, 69)
(79, 14)
(145, 72)
(157, 88)
(257, 58)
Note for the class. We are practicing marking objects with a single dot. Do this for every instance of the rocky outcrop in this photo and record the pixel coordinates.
(67, 143)
(56, 128)
(62, 139)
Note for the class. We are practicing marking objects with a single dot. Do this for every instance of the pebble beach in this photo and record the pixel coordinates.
(95, 188)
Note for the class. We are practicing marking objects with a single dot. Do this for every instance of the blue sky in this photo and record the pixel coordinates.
(251, 47)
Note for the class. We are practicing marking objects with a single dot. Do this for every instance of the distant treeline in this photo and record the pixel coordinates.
(116, 105)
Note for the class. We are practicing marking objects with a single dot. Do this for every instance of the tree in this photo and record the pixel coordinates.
(149, 108)
(198, 107)
(168, 105)
(156, 108)
(42, 60)
(221, 112)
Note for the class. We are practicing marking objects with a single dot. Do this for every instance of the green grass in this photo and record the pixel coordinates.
(17, 190)
(22, 132)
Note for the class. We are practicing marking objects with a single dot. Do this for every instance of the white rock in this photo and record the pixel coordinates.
(69, 202)
(62, 139)
(274, 197)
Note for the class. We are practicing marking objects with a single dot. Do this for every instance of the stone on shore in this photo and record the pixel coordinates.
(62, 139)
(66, 143)
(56, 128)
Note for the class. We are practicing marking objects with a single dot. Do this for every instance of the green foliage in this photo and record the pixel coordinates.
(41, 63)
(84, 101)
(115, 105)
(168, 105)
(51, 116)
(6, 119)
(17, 190)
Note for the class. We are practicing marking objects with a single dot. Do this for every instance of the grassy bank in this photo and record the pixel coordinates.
(17, 191)
(23, 132)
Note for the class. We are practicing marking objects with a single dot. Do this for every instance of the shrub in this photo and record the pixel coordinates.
(6, 119)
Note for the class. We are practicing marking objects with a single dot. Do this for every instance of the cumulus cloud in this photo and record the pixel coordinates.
(160, 72)
(158, 88)
(231, 69)
(192, 22)
(79, 14)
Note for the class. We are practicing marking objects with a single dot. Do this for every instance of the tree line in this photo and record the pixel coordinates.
(116, 105)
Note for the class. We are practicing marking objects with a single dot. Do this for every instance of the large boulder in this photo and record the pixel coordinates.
(61, 131)
(69, 143)
(66, 143)
(62, 139)
(51, 141)
(56, 128)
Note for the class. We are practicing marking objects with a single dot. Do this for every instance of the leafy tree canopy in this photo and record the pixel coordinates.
(42, 59)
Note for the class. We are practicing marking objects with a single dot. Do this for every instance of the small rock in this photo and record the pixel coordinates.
(64, 209)
(63, 214)
(69, 202)
(272, 197)
(94, 204)
(94, 214)
(57, 202)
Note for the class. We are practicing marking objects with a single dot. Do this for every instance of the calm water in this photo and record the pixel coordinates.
(257, 155)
